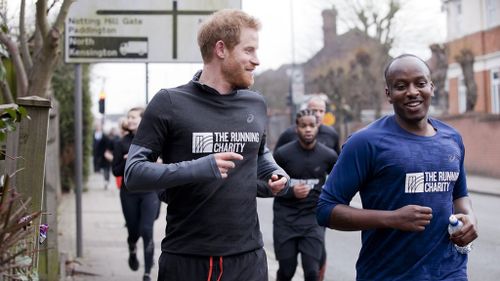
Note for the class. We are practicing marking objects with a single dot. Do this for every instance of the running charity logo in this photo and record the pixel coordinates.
(211, 142)
(429, 181)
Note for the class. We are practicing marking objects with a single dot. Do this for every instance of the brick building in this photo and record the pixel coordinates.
(474, 25)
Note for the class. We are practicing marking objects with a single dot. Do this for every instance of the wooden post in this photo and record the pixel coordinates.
(48, 259)
(31, 161)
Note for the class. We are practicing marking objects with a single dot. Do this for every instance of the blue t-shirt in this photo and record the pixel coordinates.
(392, 168)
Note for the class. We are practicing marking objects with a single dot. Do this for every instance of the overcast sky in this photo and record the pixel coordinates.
(419, 24)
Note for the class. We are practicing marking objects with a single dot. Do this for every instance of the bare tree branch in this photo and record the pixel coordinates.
(6, 93)
(21, 76)
(41, 17)
(63, 13)
(4, 86)
(28, 63)
(52, 5)
(466, 60)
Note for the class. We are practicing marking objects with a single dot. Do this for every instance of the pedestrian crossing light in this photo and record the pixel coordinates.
(102, 102)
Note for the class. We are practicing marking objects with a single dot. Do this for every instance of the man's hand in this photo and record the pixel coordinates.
(467, 233)
(276, 184)
(412, 218)
(225, 162)
(301, 190)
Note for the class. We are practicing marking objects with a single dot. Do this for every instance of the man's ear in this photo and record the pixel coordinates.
(220, 49)
(388, 95)
(432, 89)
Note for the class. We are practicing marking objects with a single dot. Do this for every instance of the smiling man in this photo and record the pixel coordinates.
(392, 163)
(211, 136)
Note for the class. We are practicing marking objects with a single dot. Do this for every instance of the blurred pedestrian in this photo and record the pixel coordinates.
(122, 129)
(99, 146)
(296, 230)
(409, 171)
(211, 135)
(140, 209)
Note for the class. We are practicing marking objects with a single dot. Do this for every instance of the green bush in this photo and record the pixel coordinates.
(63, 84)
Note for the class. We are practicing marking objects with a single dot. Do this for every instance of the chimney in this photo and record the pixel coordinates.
(329, 26)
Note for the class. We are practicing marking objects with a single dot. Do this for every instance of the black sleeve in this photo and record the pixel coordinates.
(287, 136)
(280, 160)
(118, 164)
(266, 167)
(336, 144)
(142, 173)
(332, 160)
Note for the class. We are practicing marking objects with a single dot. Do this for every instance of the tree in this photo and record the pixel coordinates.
(466, 61)
(367, 62)
(63, 84)
(34, 58)
(438, 76)
(375, 22)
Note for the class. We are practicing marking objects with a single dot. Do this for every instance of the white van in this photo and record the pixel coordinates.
(134, 47)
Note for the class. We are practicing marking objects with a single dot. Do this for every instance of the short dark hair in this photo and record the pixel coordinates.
(304, 112)
(386, 71)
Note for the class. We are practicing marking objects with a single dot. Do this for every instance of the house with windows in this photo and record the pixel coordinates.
(474, 25)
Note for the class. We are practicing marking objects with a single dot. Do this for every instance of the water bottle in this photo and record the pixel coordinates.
(454, 226)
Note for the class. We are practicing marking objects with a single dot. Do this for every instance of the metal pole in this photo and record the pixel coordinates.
(147, 83)
(78, 158)
(292, 72)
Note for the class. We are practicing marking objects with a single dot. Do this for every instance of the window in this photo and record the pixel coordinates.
(495, 91)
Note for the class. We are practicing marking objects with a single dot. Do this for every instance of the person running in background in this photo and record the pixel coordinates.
(122, 131)
(99, 146)
(296, 230)
(211, 136)
(326, 135)
(140, 209)
(409, 171)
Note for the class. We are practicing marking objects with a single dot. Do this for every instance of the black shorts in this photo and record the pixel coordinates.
(289, 241)
(249, 266)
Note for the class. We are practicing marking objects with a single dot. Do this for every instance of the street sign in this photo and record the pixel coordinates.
(137, 31)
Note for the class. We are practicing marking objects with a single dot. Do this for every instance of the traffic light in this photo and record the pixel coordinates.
(102, 102)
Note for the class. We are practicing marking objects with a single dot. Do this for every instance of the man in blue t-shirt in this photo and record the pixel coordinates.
(409, 171)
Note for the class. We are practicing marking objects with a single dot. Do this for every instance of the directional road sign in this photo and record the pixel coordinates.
(137, 31)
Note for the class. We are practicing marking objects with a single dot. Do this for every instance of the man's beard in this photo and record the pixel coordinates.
(235, 75)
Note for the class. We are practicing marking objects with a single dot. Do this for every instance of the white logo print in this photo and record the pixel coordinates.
(213, 142)
(431, 181)
(203, 142)
(414, 183)
(250, 118)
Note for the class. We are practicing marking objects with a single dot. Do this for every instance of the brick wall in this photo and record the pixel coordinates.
(480, 43)
(481, 136)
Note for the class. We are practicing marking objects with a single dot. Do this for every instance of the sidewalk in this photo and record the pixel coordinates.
(483, 185)
(105, 250)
